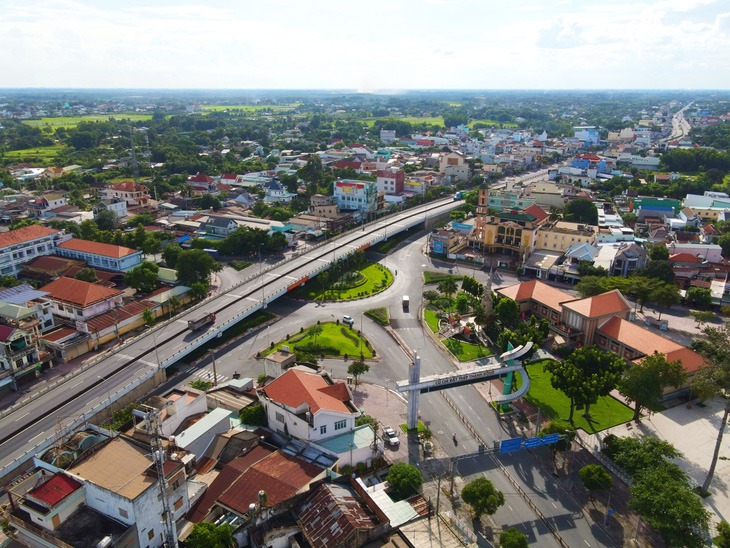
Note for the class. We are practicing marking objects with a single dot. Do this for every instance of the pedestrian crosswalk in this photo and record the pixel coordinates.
(205, 373)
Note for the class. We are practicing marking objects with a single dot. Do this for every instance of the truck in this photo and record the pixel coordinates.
(459, 195)
(194, 325)
(406, 303)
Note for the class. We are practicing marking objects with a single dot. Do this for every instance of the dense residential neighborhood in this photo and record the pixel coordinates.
(239, 263)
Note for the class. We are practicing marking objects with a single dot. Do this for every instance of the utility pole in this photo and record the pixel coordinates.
(215, 374)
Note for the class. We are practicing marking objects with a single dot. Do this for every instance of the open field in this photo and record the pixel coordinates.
(73, 121)
(493, 123)
(434, 120)
(608, 412)
(42, 155)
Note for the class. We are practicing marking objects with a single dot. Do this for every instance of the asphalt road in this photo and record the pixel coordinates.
(409, 260)
(40, 421)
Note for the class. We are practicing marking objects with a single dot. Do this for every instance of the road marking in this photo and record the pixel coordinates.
(553, 505)
(586, 542)
(28, 413)
(36, 436)
(74, 385)
(512, 509)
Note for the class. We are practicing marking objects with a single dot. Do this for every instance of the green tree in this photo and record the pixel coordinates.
(581, 210)
(195, 265)
(87, 274)
(670, 507)
(356, 368)
(367, 419)
(508, 313)
(198, 290)
(658, 252)
(210, 535)
(404, 479)
(713, 381)
(702, 317)
(643, 383)
(723, 535)
(660, 270)
(173, 303)
(595, 477)
(148, 317)
(106, 220)
(150, 245)
(636, 455)
(482, 496)
(699, 297)
(585, 375)
(170, 254)
(143, 278)
(315, 331)
(208, 201)
(512, 538)
(664, 295)
(253, 415)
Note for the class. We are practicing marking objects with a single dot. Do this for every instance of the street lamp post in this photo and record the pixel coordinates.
(211, 352)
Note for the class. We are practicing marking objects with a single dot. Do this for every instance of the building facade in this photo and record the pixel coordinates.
(352, 195)
(24, 244)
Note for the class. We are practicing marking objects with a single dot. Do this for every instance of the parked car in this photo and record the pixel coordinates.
(348, 320)
(391, 438)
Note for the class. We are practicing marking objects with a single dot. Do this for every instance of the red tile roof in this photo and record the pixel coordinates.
(537, 212)
(51, 263)
(646, 342)
(25, 234)
(55, 489)
(96, 248)
(104, 321)
(5, 332)
(296, 387)
(684, 258)
(280, 475)
(78, 292)
(611, 302)
(201, 178)
(58, 334)
(128, 186)
(537, 291)
(227, 477)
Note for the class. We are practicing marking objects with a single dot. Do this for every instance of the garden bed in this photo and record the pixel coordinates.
(335, 340)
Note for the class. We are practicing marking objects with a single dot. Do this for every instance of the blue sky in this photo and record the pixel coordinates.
(368, 46)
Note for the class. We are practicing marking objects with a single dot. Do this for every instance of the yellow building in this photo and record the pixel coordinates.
(561, 235)
(507, 232)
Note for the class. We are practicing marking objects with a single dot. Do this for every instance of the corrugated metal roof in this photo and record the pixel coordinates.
(21, 294)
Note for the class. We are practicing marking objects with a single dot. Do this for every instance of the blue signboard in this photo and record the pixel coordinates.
(533, 442)
(508, 446)
(438, 247)
(461, 226)
(550, 439)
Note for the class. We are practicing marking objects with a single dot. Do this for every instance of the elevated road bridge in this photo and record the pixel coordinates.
(25, 430)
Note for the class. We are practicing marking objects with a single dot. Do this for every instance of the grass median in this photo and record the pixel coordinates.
(333, 341)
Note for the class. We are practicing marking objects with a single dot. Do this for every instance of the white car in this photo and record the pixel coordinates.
(348, 320)
(390, 437)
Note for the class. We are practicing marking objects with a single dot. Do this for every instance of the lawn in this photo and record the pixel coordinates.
(380, 315)
(607, 413)
(42, 155)
(466, 352)
(335, 340)
(73, 121)
(431, 277)
(431, 319)
(375, 278)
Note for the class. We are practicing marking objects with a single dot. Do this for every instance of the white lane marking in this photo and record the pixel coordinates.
(511, 509)
(75, 385)
(28, 413)
(586, 542)
(36, 436)
(553, 505)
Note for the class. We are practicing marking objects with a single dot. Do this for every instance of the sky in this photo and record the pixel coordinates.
(366, 46)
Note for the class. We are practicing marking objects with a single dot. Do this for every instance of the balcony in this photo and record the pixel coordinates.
(565, 330)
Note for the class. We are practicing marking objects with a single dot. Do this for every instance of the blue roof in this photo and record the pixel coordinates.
(362, 436)
(21, 294)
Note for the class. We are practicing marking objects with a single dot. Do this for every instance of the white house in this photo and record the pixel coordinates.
(356, 195)
(79, 301)
(98, 255)
(116, 205)
(308, 406)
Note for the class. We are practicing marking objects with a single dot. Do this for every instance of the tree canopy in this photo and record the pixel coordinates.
(643, 382)
(143, 278)
(404, 479)
(210, 535)
(483, 498)
(581, 210)
(195, 265)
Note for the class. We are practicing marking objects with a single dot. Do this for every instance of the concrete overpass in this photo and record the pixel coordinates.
(61, 408)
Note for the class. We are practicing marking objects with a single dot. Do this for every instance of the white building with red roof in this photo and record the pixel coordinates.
(308, 406)
(80, 301)
(133, 193)
(98, 255)
(25, 244)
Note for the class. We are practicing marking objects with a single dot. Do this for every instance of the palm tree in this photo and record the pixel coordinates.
(448, 288)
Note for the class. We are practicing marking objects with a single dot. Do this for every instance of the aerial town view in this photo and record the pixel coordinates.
(399, 274)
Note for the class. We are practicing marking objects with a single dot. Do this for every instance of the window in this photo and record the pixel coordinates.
(123, 513)
(323, 429)
(279, 417)
(178, 503)
(339, 425)
(151, 534)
